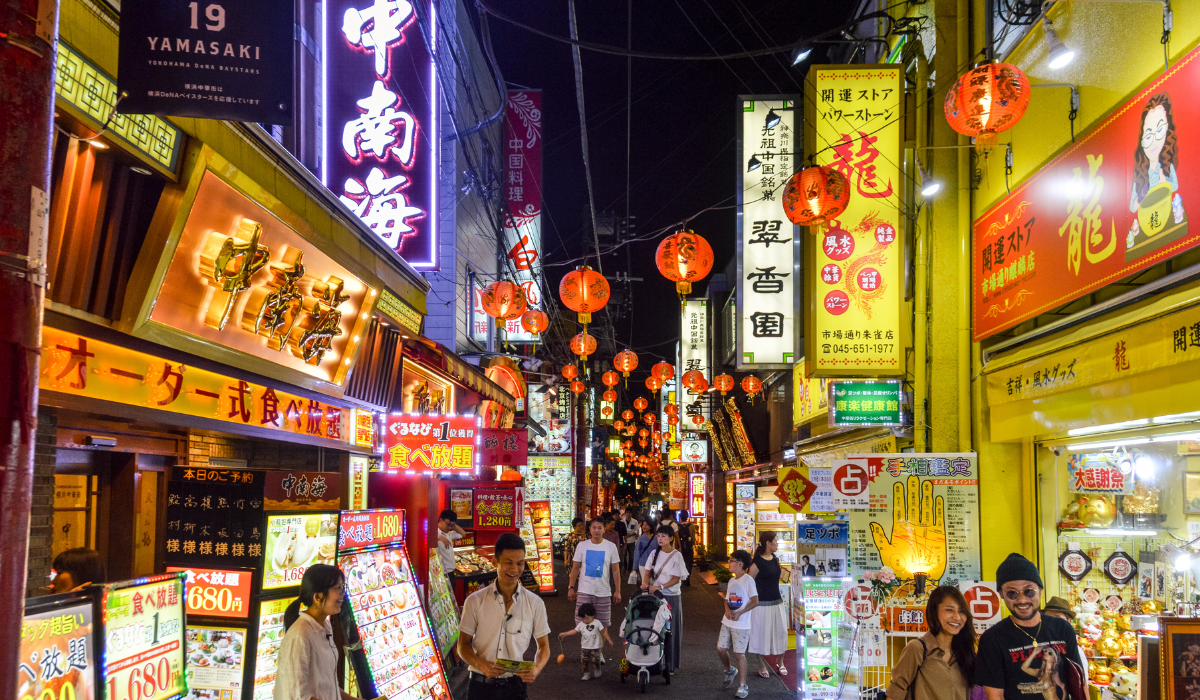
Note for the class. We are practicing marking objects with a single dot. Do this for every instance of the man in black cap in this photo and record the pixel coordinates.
(1027, 655)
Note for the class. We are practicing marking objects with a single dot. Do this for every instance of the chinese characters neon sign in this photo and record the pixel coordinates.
(431, 443)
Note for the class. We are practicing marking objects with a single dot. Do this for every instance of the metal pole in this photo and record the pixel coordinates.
(27, 101)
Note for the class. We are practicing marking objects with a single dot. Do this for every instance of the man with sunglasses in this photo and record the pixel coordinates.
(1027, 655)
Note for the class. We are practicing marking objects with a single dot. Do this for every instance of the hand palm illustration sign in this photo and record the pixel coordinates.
(918, 538)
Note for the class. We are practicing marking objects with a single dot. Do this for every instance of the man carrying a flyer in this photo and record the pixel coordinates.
(496, 626)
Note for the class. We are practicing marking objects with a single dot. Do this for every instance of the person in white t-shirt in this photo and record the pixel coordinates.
(596, 574)
(741, 597)
(448, 532)
(632, 531)
(590, 633)
(664, 570)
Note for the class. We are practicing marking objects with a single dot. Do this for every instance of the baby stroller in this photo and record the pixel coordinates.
(647, 633)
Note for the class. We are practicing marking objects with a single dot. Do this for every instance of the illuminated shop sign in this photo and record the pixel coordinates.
(523, 193)
(431, 443)
(380, 124)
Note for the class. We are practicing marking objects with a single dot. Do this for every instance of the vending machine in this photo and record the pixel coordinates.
(398, 658)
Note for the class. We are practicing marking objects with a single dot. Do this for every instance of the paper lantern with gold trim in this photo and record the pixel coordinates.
(640, 403)
(751, 385)
(535, 321)
(987, 100)
(663, 371)
(570, 371)
(584, 291)
(723, 382)
(815, 196)
(671, 409)
(503, 300)
(610, 378)
(578, 387)
(695, 381)
(698, 419)
(583, 344)
(619, 424)
(610, 396)
(684, 257)
(627, 415)
(653, 384)
(626, 361)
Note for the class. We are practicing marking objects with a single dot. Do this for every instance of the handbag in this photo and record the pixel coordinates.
(634, 579)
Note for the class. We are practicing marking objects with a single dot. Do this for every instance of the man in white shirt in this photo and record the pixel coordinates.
(498, 622)
(596, 574)
(632, 530)
(448, 532)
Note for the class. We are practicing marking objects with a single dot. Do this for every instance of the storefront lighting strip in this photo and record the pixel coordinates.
(1176, 418)
(1111, 427)
(1116, 532)
(1108, 443)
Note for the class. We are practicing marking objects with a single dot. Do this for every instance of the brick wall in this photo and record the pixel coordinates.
(41, 516)
(259, 454)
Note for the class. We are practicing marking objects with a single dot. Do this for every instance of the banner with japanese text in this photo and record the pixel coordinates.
(855, 265)
(551, 411)
(302, 490)
(1113, 203)
(923, 515)
(505, 446)
(768, 245)
(522, 189)
(381, 128)
(431, 443)
(143, 639)
(58, 654)
(499, 509)
(73, 364)
(693, 355)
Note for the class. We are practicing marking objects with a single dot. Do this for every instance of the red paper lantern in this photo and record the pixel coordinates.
(684, 257)
(698, 419)
(626, 361)
(752, 384)
(723, 382)
(672, 420)
(503, 300)
(584, 291)
(610, 396)
(570, 371)
(583, 344)
(606, 411)
(534, 321)
(628, 444)
(643, 433)
(627, 414)
(816, 195)
(511, 475)
(578, 387)
(986, 100)
(649, 418)
(640, 403)
(619, 424)
(642, 442)
(663, 371)
(610, 378)
(653, 384)
(695, 381)
(671, 409)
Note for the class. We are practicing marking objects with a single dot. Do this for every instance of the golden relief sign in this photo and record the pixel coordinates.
(80, 366)
(241, 278)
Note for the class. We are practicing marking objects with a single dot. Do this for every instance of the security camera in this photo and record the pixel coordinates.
(1057, 450)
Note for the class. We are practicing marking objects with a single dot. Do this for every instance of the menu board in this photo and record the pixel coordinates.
(216, 592)
(552, 479)
(395, 634)
(827, 637)
(296, 542)
(270, 638)
(58, 655)
(214, 517)
(943, 535)
(745, 524)
(216, 660)
(543, 568)
(143, 640)
(498, 509)
(443, 612)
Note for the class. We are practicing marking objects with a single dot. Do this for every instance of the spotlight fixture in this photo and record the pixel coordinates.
(803, 53)
(929, 186)
(140, 170)
(772, 119)
(1060, 55)
(96, 143)
(753, 164)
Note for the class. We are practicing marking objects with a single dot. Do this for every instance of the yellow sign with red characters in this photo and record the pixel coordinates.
(855, 269)
(80, 366)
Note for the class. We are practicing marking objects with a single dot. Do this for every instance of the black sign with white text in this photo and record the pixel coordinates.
(211, 59)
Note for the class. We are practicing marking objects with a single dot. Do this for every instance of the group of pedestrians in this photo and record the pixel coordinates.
(756, 618)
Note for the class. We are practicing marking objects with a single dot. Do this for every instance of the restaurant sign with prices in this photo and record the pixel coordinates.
(855, 265)
(143, 639)
(499, 509)
(431, 443)
(865, 403)
(57, 653)
(366, 528)
(215, 592)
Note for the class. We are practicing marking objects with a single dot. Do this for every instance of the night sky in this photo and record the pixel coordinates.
(683, 126)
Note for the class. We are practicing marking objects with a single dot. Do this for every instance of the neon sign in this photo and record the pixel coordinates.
(380, 121)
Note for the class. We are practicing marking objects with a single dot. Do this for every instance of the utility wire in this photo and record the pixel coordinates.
(583, 139)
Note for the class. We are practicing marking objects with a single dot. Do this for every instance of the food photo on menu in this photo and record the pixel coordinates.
(215, 648)
(296, 542)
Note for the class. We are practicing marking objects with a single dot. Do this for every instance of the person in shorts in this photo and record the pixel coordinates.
(590, 633)
(740, 598)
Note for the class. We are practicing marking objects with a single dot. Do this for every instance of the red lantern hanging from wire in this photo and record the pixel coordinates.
(610, 396)
(503, 300)
(619, 424)
(695, 381)
(535, 321)
(640, 403)
(626, 361)
(649, 418)
(583, 344)
(584, 291)
(671, 409)
(684, 257)
(663, 371)
(815, 196)
(698, 419)
(723, 382)
(751, 385)
(628, 444)
(578, 387)
(606, 411)
(987, 100)
(642, 432)
(610, 378)
(672, 420)
(653, 384)
(627, 415)
(570, 371)
(642, 442)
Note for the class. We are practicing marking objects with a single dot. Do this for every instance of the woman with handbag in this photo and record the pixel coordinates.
(664, 571)
(769, 619)
(645, 545)
(941, 664)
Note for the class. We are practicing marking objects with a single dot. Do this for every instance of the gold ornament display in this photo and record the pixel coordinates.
(1096, 511)
(1144, 499)
(1109, 645)
(1125, 622)
(1151, 607)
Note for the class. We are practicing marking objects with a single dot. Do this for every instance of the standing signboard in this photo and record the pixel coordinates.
(768, 245)
(214, 517)
(855, 266)
(522, 188)
(143, 639)
(58, 651)
(381, 130)
(210, 60)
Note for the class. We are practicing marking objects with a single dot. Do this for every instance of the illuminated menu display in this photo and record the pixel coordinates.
(143, 640)
(395, 633)
(296, 542)
(216, 593)
(216, 658)
(270, 638)
(58, 654)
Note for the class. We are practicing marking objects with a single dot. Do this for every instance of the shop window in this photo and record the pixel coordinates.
(74, 512)
(101, 208)
(424, 393)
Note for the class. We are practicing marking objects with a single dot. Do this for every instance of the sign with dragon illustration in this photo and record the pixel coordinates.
(854, 265)
(1114, 203)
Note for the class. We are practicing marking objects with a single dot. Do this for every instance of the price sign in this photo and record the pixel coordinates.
(215, 592)
(143, 636)
(296, 542)
(363, 528)
(57, 659)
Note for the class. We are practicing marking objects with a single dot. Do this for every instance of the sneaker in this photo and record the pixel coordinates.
(730, 677)
(596, 673)
(742, 692)
(586, 677)
(602, 661)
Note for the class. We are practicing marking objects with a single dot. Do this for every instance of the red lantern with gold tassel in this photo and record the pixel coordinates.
(640, 403)
(503, 300)
(684, 257)
(619, 424)
(815, 196)
(723, 382)
(672, 420)
(570, 371)
(653, 384)
(627, 415)
(649, 418)
(606, 411)
(626, 361)
(584, 291)
(751, 385)
(534, 321)
(583, 344)
(610, 396)
(671, 409)
(578, 387)
(987, 100)
(695, 381)
(663, 371)
(610, 378)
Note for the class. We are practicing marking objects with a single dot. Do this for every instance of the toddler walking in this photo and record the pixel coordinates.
(590, 632)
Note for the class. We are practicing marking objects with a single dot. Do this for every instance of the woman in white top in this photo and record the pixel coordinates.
(664, 570)
(308, 657)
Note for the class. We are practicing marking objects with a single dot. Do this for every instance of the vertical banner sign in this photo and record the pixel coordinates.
(381, 132)
(768, 245)
(523, 194)
(697, 489)
(480, 322)
(855, 266)
(923, 516)
(210, 59)
(693, 354)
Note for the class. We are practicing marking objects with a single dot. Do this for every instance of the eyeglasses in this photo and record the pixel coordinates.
(1030, 593)
(1149, 136)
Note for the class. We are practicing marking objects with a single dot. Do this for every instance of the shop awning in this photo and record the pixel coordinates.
(439, 357)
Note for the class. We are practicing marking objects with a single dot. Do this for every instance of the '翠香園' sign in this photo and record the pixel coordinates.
(1114, 203)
